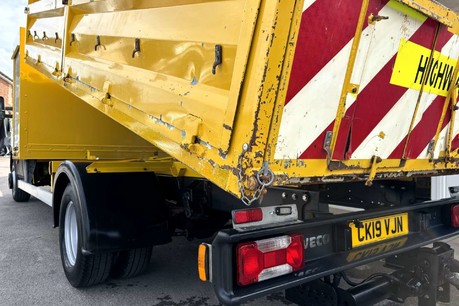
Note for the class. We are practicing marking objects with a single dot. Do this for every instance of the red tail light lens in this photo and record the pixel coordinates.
(455, 216)
(250, 263)
(268, 258)
(248, 215)
(295, 252)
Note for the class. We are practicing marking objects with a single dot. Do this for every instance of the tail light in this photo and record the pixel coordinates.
(264, 259)
(455, 215)
(267, 216)
(247, 215)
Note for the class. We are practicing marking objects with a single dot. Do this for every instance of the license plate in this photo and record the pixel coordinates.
(378, 229)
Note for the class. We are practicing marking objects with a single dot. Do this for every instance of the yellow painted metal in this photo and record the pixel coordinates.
(165, 166)
(283, 86)
(217, 126)
(168, 94)
(171, 80)
(450, 102)
(349, 88)
(421, 91)
(54, 124)
(53, 166)
(46, 8)
(300, 172)
(436, 11)
(374, 168)
(380, 229)
(451, 99)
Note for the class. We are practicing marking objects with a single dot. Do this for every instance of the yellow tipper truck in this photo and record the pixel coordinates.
(298, 136)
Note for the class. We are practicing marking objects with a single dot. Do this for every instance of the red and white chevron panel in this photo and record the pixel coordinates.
(378, 118)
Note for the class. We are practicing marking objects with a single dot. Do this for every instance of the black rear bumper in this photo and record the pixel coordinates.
(331, 251)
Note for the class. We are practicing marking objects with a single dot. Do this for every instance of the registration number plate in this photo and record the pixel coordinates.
(373, 230)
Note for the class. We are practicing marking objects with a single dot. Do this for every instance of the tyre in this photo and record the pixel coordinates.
(19, 195)
(131, 263)
(81, 270)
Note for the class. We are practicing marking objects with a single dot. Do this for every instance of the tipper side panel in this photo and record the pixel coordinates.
(371, 93)
(52, 124)
(197, 79)
(310, 91)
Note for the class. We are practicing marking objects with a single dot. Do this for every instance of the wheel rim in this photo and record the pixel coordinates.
(71, 233)
(13, 180)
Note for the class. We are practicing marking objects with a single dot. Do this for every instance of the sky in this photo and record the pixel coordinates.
(12, 17)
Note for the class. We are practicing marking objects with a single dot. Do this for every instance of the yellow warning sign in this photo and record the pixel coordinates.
(415, 65)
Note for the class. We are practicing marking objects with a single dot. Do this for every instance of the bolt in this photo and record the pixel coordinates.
(284, 195)
(305, 197)
(294, 197)
(245, 147)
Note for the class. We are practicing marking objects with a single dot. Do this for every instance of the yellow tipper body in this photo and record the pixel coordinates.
(188, 87)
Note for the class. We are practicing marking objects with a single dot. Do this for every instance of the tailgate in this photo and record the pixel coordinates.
(375, 91)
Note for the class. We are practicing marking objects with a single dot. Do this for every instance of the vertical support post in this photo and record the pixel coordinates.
(347, 88)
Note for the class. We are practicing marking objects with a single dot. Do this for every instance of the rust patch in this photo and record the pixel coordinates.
(338, 165)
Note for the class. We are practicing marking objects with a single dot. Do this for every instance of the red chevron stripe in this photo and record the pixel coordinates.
(362, 117)
(424, 132)
(321, 38)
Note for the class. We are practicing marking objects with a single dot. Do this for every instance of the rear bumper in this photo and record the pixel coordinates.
(328, 247)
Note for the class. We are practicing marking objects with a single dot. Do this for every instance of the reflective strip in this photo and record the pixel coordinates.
(307, 4)
(323, 37)
(303, 122)
(274, 271)
(375, 100)
(388, 137)
(270, 218)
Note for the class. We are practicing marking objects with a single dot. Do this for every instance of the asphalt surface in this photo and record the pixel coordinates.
(31, 273)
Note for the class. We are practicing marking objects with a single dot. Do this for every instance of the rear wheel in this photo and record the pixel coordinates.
(81, 270)
(131, 263)
(18, 194)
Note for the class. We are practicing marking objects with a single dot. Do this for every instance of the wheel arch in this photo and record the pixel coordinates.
(70, 173)
(118, 210)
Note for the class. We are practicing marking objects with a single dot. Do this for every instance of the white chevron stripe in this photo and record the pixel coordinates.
(307, 4)
(315, 106)
(391, 130)
(456, 119)
(441, 145)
